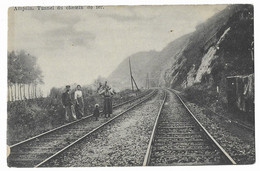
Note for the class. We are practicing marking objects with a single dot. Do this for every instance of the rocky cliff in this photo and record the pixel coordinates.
(221, 46)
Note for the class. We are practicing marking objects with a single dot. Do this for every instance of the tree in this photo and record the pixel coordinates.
(23, 71)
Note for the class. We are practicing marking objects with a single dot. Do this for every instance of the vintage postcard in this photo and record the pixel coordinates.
(144, 85)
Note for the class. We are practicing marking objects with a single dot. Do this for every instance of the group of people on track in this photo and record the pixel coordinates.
(74, 108)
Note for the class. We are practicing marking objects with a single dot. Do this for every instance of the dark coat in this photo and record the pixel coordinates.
(66, 99)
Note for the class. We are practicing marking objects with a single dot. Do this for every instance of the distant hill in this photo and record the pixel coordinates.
(152, 62)
(121, 76)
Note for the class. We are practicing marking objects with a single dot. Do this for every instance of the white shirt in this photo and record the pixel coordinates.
(78, 94)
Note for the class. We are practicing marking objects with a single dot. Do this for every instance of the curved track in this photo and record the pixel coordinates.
(35, 151)
(178, 138)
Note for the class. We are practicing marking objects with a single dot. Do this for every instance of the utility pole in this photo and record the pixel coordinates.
(135, 83)
(132, 78)
(131, 74)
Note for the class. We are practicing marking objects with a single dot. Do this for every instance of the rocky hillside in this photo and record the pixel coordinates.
(221, 46)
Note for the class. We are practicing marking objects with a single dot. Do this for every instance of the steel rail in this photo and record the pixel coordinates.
(94, 130)
(149, 148)
(73, 122)
(228, 157)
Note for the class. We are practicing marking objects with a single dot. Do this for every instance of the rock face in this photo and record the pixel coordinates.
(220, 47)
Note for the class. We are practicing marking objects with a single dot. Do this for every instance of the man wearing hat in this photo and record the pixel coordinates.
(68, 105)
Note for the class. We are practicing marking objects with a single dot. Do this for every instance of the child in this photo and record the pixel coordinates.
(96, 112)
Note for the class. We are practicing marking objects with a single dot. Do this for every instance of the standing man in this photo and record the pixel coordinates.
(107, 93)
(79, 102)
(68, 105)
(107, 102)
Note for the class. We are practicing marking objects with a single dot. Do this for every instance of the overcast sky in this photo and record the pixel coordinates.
(76, 46)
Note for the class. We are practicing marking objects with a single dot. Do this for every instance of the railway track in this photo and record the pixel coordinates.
(178, 138)
(36, 151)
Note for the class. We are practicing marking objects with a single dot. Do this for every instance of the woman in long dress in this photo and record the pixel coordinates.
(79, 102)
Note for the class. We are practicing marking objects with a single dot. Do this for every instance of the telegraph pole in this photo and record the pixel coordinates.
(132, 78)
(131, 74)
(135, 83)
